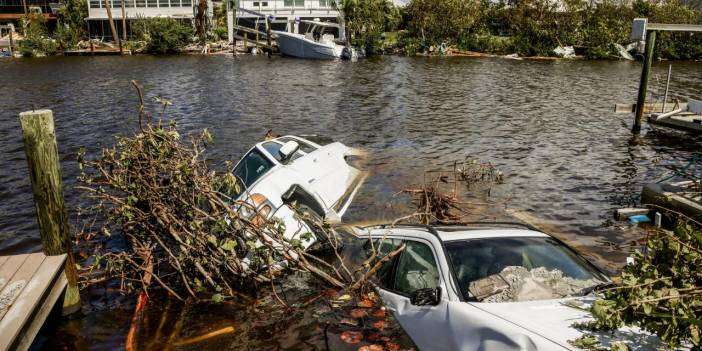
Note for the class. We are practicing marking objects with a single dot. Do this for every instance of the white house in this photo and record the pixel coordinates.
(98, 24)
(286, 12)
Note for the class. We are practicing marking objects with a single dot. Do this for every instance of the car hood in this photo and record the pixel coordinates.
(553, 320)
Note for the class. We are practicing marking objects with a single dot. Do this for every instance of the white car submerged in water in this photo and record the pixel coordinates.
(488, 288)
(289, 170)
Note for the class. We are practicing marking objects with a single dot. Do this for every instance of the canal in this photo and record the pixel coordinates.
(568, 160)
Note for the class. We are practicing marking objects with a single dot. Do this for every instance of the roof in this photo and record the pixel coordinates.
(455, 233)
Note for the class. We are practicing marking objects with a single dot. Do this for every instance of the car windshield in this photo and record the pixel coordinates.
(520, 269)
(252, 167)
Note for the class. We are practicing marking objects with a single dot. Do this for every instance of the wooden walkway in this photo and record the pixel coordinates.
(30, 286)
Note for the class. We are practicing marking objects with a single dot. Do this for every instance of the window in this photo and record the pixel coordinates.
(186, 3)
(385, 246)
(307, 148)
(95, 4)
(326, 3)
(479, 259)
(140, 3)
(152, 3)
(163, 3)
(296, 3)
(256, 4)
(416, 269)
(252, 167)
(265, 3)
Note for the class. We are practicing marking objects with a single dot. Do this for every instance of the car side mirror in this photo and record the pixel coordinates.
(288, 150)
(426, 297)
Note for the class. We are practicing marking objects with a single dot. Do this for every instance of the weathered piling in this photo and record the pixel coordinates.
(643, 84)
(12, 53)
(268, 35)
(44, 173)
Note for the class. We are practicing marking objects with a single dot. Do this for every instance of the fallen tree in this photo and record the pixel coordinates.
(661, 292)
(182, 228)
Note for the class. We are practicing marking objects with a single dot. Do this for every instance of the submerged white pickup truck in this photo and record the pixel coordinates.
(318, 179)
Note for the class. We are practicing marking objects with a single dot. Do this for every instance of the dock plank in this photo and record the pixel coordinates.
(10, 268)
(26, 315)
(3, 259)
(18, 283)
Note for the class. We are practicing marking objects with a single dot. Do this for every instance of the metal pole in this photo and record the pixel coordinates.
(643, 84)
(667, 85)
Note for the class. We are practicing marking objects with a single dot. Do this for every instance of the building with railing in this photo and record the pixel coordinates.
(99, 26)
(286, 13)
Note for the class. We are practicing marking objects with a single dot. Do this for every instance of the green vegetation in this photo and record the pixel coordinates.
(366, 20)
(661, 292)
(71, 26)
(536, 27)
(162, 35)
(36, 41)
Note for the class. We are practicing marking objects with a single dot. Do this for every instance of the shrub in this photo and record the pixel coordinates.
(71, 27)
(36, 42)
(487, 43)
(162, 35)
(436, 21)
(539, 26)
(608, 23)
(366, 20)
(676, 45)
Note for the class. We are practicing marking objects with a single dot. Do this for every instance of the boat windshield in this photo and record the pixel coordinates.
(252, 167)
(520, 269)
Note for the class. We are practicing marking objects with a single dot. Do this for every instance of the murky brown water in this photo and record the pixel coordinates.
(549, 125)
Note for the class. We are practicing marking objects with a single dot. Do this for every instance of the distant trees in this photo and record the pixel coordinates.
(71, 25)
(367, 20)
(36, 41)
(536, 27)
(162, 35)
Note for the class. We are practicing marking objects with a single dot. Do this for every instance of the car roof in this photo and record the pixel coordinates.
(456, 233)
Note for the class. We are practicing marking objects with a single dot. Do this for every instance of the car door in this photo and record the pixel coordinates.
(416, 268)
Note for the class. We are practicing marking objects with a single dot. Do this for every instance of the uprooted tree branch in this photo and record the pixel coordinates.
(183, 226)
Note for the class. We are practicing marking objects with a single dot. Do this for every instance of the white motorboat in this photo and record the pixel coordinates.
(320, 42)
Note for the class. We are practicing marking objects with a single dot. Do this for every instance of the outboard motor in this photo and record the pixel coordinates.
(347, 53)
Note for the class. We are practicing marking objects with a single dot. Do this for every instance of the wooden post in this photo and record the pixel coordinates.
(268, 35)
(113, 29)
(44, 173)
(124, 22)
(12, 53)
(643, 84)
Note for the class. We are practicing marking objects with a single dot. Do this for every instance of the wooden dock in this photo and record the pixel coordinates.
(30, 287)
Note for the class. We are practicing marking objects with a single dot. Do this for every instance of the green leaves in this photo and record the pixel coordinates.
(229, 245)
(662, 291)
(217, 298)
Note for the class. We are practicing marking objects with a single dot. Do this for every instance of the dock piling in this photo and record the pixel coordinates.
(44, 172)
(12, 53)
(643, 84)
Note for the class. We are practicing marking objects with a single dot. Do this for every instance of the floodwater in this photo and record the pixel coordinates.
(568, 160)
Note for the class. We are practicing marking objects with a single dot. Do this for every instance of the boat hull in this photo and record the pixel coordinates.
(296, 45)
